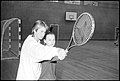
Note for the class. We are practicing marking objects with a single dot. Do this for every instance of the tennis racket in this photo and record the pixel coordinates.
(82, 31)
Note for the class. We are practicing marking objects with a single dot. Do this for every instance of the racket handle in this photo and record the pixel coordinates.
(69, 47)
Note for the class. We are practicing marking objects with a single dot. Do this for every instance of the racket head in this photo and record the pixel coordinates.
(83, 28)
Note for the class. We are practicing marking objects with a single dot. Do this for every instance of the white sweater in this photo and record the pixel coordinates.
(33, 52)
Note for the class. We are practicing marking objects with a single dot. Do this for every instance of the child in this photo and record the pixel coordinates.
(48, 67)
(33, 52)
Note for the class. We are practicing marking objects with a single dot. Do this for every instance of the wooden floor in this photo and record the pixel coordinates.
(96, 60)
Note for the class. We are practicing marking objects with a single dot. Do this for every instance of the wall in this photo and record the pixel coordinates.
(106, 19)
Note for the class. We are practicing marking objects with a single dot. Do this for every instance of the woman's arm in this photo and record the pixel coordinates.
(55, 58)
(39, 52)
(42, 52)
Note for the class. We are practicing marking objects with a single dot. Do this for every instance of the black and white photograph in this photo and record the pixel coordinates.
(60, 40)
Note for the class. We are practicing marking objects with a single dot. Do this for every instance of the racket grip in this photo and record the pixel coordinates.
(69, 45)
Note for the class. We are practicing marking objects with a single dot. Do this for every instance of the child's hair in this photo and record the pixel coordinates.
(48, 33)
(39, 22)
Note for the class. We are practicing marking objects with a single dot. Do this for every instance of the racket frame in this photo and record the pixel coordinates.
(72, 37)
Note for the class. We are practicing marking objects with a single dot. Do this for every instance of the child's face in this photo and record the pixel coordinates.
(50, 40)
(40, 32)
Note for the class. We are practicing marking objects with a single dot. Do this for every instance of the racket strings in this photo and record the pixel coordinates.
(78, 36)
(87, 28)
(82, 33)
(84, 30)
(87, 32)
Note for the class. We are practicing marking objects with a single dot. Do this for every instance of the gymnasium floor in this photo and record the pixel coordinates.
(96, 60)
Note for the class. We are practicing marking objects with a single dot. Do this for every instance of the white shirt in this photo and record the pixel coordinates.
(33, 52)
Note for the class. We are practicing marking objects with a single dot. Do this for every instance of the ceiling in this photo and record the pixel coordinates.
(109, 2)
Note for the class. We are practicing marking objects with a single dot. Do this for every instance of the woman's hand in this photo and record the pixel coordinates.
(66, 51)
(62, 53)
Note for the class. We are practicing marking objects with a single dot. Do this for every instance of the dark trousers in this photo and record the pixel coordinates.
(48, 70)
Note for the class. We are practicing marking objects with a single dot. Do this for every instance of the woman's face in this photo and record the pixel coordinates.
(39, 34)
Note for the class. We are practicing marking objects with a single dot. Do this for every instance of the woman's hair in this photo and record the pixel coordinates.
(39, 22)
